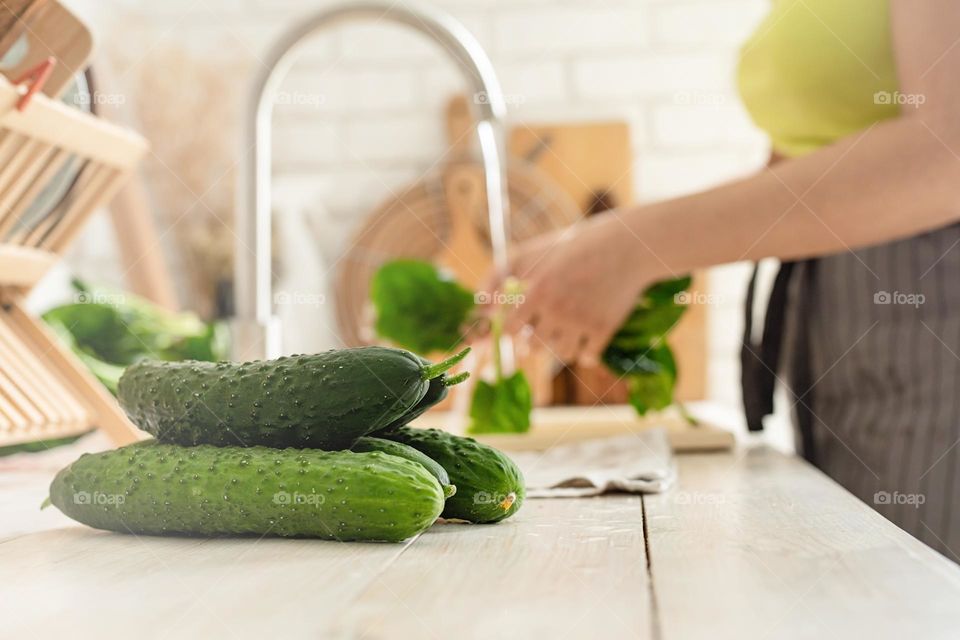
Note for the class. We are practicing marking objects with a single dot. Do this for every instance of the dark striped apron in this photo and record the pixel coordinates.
(870, 344)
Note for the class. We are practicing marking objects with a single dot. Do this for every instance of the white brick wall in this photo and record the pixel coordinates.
(365, 101)
(550, 31)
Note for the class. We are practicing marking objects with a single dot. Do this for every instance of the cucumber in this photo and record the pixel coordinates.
(392, 448)
(489, 485)
(436, 392)
(323, 401)
(154, 488)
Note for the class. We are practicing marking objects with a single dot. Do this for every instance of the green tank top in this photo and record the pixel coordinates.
(818, 70)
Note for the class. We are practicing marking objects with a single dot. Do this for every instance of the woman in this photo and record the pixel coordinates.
(861, 99)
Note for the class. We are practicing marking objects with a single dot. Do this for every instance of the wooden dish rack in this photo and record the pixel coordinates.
(45, 392)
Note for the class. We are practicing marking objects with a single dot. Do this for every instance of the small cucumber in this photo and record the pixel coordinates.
(155, 488)
(392, 448)
(489, 485)
(323, 401)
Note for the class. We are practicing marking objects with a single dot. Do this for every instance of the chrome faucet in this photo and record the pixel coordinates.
(255, 330)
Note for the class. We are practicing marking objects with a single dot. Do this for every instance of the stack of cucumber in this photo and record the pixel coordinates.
(307, 446)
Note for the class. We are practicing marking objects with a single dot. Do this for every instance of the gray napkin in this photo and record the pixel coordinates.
(637, 463)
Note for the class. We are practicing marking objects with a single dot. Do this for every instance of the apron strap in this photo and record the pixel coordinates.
(759, 363)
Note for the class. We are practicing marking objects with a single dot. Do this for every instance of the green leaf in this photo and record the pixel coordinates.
(99, 329)
(108, 374)
(38, 446)
(650, 391)
(651, 387)
(639, 351)
(667, 290)
(657, 312)
(653, 359)
(419, 308)
(110, 329)
(501, 406)
(646, 326)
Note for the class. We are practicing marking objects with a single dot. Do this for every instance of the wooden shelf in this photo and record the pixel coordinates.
(23, 266)
(45, 392)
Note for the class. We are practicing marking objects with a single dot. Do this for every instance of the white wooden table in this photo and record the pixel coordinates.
(751, 545)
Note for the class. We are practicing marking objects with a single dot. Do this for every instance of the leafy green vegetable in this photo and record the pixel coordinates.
(651, 388)
(98, 329)
(501, 406)
(656, 313)
(109, 330)
(422, 310)
(639, 351)
(418, 307)
(504, 405)
(39, 445)
(108, 374)
(668, 291)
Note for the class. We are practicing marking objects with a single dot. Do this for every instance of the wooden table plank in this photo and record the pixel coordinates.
(21, 495)
(750, 545)
(565, 567)
(561, 568)
(756, 545)
(80, 583)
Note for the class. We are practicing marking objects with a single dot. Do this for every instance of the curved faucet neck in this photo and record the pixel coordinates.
(256, 334)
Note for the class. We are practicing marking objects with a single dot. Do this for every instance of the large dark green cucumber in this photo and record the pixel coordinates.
(436, 392)
(155, 488)
(401, 450)
(489, 485)
(324, 401)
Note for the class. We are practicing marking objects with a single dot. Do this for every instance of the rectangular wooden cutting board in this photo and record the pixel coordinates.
(553, 426)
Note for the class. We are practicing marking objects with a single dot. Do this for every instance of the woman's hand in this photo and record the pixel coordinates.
(577, 286)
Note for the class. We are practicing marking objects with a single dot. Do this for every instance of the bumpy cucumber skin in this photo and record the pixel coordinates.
(391, 448)
(323, 401)
(153, 488)
(489, 485)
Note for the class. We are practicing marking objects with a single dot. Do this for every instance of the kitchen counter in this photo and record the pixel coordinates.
(751, 544)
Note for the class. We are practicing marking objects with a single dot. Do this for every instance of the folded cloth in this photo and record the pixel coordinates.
(637, 463)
